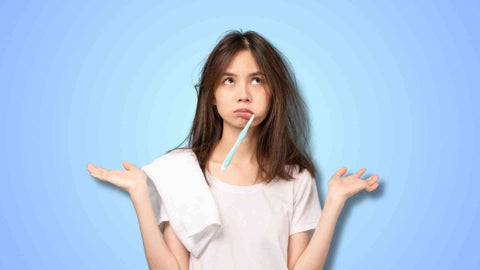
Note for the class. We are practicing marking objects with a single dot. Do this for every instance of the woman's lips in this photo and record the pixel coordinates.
(245, 115)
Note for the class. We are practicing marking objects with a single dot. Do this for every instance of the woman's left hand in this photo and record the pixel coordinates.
(345, 187)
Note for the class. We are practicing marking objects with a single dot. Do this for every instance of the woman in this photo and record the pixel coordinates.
(267, 197)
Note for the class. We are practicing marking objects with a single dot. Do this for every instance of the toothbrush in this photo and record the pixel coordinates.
(242, 135)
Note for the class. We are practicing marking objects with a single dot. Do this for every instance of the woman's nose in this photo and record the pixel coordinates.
(244, 92)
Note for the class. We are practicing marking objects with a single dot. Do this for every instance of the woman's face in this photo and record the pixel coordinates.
(242, 87)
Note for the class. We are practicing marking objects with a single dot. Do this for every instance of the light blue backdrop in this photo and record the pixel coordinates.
(391, 86)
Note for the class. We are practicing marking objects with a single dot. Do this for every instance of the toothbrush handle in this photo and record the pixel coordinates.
(229, 158)
(242, 135)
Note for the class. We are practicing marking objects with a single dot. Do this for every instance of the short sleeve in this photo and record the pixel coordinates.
(306, 204)
(157, 204)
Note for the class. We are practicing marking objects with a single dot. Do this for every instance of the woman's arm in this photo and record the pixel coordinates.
(157, 252)
(176, 247)
(314, 256)
(339, 190)
(134, 181)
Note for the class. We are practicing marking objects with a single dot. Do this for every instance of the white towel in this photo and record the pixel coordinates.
(186, 196)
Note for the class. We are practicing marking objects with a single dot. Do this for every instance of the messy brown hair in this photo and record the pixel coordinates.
(283, 141)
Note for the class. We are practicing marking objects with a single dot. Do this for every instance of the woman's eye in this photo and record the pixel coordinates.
(256, 78)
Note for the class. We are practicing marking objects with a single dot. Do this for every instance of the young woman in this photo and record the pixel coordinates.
(267, 198)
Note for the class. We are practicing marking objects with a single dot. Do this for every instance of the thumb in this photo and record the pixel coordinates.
(341, 171)
(129, 166)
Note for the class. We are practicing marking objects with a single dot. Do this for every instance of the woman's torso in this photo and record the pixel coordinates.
(255, 222)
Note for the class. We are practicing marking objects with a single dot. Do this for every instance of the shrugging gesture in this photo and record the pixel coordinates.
(344, 187)
(129, 180)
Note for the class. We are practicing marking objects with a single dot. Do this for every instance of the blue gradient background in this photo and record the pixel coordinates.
(391, 87)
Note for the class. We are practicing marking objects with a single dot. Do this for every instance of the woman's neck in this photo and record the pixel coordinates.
(245, 155)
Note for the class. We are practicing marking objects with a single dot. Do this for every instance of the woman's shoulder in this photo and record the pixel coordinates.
(299, 176)
(176, 151)
(294, 170)
(177, 156)
(287, 187)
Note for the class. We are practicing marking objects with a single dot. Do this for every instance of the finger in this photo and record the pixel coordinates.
(341, 171)
(129, 166)
(90, 167)
(372, 179)
(372, 187)
(101, 173)
(360, 172)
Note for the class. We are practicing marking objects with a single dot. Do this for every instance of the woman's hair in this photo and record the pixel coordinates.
(283, 136)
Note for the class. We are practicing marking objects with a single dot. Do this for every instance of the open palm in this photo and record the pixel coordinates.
(345, 187)
(128, 179)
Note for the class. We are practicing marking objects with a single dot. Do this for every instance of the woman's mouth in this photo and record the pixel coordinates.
(244, 115)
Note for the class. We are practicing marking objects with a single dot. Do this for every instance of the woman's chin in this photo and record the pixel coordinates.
(238, 123)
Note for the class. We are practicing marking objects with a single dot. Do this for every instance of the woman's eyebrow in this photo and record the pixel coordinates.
(234, 75)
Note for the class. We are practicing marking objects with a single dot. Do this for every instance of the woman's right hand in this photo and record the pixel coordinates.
(130, 180)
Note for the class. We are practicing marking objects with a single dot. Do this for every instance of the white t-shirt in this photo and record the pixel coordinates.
(257, 221)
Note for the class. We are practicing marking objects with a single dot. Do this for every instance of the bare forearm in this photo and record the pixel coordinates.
(315, 254)
(157, 252)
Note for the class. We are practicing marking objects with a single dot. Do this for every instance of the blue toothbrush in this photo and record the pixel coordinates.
(242, 135)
